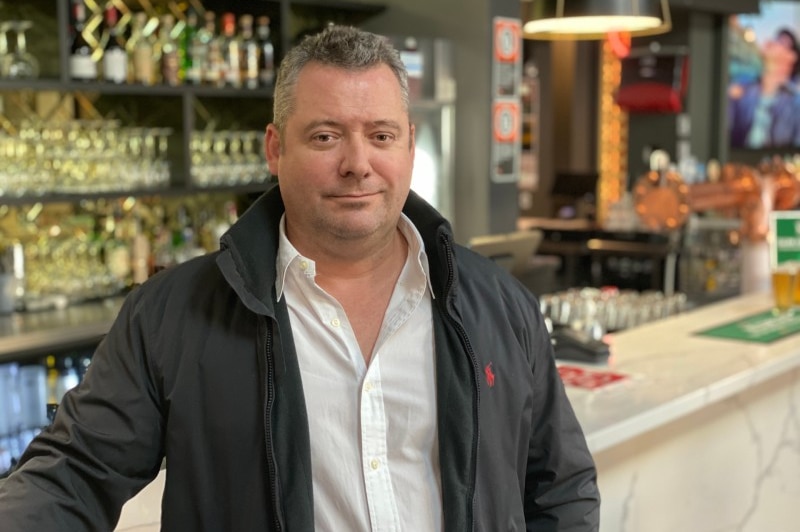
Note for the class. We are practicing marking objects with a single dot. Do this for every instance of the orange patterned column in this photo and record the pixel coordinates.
(613, 135)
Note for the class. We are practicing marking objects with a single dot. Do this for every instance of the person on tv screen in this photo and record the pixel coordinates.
(766, 112)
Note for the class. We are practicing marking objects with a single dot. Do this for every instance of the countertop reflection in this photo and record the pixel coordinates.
(29, 333)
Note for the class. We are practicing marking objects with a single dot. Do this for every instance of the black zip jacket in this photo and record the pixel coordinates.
(199, 368)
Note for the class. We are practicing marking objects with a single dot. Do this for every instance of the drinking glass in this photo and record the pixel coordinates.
(221, 158)
(783, 279)
(21, 64)
(256, 164)
(5, 53)
(161, 163)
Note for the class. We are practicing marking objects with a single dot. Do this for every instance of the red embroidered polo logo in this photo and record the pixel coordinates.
(489, 374)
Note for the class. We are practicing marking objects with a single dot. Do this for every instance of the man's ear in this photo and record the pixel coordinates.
(272, 148)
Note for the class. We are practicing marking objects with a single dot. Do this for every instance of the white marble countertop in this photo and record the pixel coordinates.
(674, 372)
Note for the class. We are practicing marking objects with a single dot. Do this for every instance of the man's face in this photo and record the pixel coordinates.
(779, 56)
(345, 159)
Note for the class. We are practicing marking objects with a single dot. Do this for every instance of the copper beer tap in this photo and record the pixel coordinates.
(664, 201)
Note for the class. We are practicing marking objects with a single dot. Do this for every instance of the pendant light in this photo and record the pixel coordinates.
(593, 19)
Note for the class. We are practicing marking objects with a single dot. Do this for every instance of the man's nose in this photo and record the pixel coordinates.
(355, 158)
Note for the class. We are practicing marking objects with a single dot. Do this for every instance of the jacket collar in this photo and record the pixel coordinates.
(249, 249)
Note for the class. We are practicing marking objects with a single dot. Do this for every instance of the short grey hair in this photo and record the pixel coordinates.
(339, 46)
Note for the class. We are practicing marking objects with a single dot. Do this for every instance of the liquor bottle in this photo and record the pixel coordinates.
(199, 49)
(115, 59)
(249, 52)
(52, 379)
(137, 26)
(143, 64)
(81, 65)
(33, 395)
(167, 51)
(213, 68)
(116, 250)
(185, 243)
(190, 69)
(266, 68)
(161, 254)
(67, 377)
(140, 253)
(231, 51)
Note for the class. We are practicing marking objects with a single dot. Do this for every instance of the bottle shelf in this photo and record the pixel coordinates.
(133, 89)
(184, 108)
(171, 191)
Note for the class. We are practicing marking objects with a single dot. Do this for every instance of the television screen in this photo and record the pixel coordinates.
(764, 77)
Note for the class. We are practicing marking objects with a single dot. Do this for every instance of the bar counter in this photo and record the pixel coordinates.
(701, 434)
(672, 371)
(26, 334)
(704, 433)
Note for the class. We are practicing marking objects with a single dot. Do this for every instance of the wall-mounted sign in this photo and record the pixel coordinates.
(507, 40)
(506, 101)
(785, 237)
(506, 146)
(506, 56)
(505, 120)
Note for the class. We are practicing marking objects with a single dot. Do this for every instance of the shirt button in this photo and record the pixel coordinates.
(335, 322)
(303, 265)
(374, 463)
(368, 386)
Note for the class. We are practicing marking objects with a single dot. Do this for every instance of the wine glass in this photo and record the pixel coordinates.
(236, 166)
(5, 54)
(221, 158)
(21, 64)
(162, 155)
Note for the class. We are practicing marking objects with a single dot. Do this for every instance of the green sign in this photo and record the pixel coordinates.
(785, 237)
(764, 327)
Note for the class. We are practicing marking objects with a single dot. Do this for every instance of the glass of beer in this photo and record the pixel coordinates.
(796, 297)
(784, 287)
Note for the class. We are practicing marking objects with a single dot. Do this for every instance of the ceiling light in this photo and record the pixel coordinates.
(593, 19)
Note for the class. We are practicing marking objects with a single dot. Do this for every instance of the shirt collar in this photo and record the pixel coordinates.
(287, 253)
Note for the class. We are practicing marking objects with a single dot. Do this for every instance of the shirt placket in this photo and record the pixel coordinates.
(383, 513)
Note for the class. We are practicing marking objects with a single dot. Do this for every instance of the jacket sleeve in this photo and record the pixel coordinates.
(103, 447)
(561, 482)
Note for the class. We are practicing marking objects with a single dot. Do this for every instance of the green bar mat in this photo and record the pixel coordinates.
(764, 327)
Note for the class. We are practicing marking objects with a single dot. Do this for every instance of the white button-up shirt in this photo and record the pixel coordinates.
(374, 442)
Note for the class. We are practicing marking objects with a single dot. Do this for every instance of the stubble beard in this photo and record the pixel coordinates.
(357, 223)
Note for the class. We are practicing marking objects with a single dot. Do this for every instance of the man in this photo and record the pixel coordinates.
(765, 113)
(337, 366)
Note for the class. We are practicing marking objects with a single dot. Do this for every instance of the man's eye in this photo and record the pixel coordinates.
(323, 137)
(383, 137)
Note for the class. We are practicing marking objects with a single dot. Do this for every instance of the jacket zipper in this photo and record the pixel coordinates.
(468, 346)
(270, 389)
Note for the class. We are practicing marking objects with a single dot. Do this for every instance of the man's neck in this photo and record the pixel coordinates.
(772, 81)
(361, 262)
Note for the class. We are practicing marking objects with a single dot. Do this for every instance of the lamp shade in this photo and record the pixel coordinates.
(593, 19)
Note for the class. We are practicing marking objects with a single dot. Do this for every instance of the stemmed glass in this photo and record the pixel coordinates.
(221, 158)
(254, 154)
(5, 55)
(161, 155)
(236, 167)
(21, 64)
